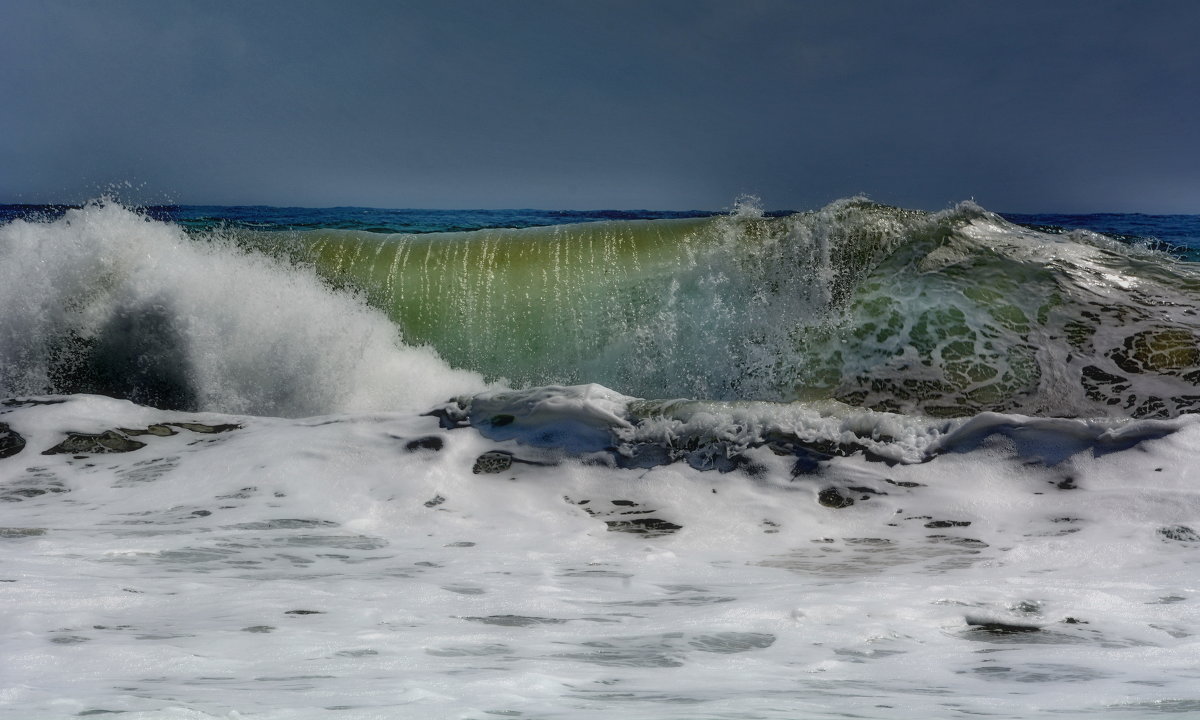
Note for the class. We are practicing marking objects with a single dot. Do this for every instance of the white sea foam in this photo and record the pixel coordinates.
(344, 566)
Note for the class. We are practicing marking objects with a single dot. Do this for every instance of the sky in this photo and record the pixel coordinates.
(1048, 106)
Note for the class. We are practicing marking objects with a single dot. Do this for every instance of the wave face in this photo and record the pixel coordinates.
(945, 314)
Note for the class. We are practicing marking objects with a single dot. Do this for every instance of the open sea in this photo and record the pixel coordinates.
(857, 462)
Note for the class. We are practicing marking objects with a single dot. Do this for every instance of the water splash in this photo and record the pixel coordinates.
(104, 300)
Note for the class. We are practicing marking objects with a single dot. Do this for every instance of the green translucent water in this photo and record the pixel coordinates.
(945, 314)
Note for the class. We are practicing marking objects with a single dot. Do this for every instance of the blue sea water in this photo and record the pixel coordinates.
(378, 220)
(1179, 234)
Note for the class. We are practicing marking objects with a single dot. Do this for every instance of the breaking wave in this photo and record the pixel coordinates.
(937, 314)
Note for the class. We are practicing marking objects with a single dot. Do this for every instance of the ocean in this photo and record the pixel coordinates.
(855, 462)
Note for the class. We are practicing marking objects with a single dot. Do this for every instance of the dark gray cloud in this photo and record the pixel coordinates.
(1025, 106)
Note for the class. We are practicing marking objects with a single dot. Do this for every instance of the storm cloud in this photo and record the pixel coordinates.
(1064, 106)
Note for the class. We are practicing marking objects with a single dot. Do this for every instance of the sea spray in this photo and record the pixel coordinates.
(107, 301)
